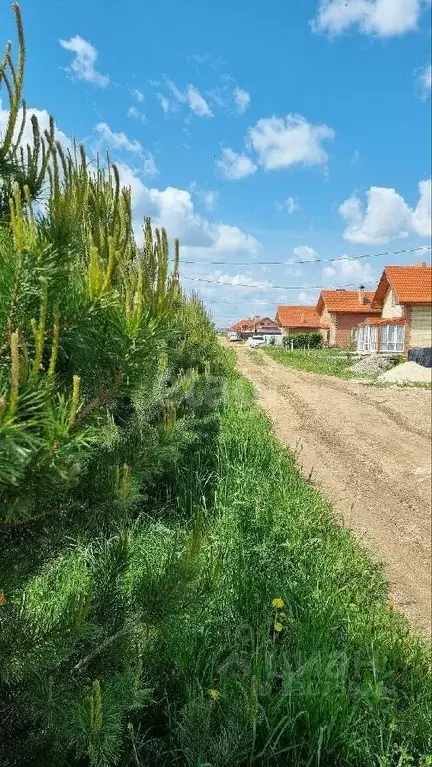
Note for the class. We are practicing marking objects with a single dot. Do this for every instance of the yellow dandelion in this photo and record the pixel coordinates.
(2, 597)
(278, 603)
(278, 627)
(214, 694)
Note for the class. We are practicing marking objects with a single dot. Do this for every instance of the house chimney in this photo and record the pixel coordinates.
(361, 294)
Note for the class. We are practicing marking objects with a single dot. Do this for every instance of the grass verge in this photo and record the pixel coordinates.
(330, 677)
(325, 361)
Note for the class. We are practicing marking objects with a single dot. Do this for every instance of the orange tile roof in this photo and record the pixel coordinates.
(297, 317)
(346, 301)
(412, 284)
(383, 321)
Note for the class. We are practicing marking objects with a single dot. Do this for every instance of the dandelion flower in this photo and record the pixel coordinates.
(278, 603)
(278, 627)
(2, 597)
(214, 694)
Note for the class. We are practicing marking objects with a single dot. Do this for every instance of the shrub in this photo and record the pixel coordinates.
(104, 373)
(303, 340)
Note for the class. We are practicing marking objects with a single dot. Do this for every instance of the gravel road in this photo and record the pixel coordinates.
(368, 449)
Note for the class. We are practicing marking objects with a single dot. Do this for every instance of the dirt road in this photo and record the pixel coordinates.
(369, 450)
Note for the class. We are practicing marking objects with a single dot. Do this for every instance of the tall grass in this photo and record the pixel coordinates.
(341, 683)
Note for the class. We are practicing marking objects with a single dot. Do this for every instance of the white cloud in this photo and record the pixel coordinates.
(239, 280)
(305, 253)
(425, 82)
(230, 239)
(385, 18)
(149, 166)
(136, 114)
(421, 215)
(235, 166)
(27, 136)
(116, 140)
(207, 197)
(84, 61)
(197, 103)
(283, 141)
(387, 216)
(290, 204)
(305, 298)
(137, 94)
(174, 209)
(242, 100)
(350, 269)
(191, 96)
(164, 102)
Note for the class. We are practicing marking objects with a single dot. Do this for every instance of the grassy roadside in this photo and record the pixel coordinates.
(325, 361)
(330, 678)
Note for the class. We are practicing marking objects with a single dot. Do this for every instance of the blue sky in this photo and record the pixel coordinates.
(255, 132)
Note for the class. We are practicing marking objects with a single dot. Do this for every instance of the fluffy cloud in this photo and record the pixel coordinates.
(197, 103)
(290, 205)
(238, 280)
(305, 253)
(425, 82)
(283, 141)
(174, 209)
(385, 18)
(136, 114)
(191, 97)
(164, 102)
(27, 136)
(387, 216)
(421, 215)
(137, 94)
(242, 100)
(83, 65)
(116, 140)
(349, 269)
(120, 142)
(208, 197)
(235, 166)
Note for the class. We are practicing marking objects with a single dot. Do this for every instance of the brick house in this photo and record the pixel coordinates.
(341, 311)
(251, 325)
(404, 299)
(298, 319)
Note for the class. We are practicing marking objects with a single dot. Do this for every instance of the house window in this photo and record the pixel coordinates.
(367, 338)
(392, 338)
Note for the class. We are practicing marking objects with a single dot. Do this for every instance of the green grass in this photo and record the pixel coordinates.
(342, 685)
(330, 362)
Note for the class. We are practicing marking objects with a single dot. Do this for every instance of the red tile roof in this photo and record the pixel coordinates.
(346, 301)
(383, 321)
(412, 284)
(297, 317)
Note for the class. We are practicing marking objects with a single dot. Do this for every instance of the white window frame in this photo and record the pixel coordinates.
(392, 338)
(367, 338)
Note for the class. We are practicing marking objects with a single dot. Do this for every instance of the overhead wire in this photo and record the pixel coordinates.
(293, 262)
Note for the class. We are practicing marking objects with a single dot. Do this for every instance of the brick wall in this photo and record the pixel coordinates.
(344, 322)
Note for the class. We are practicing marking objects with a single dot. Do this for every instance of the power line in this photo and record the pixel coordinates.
(306, 261)
(260, 286)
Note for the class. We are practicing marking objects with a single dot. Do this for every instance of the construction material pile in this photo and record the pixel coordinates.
(407, 372)
(373, 365)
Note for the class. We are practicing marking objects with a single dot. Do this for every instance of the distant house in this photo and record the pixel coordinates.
(299, 319)
(264, 326)
(404, 300)
(342, 311)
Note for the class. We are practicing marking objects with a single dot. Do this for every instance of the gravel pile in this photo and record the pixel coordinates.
(373, 364)
(407, 372)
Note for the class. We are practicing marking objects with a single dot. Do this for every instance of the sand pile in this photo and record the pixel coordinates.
(407, 372)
